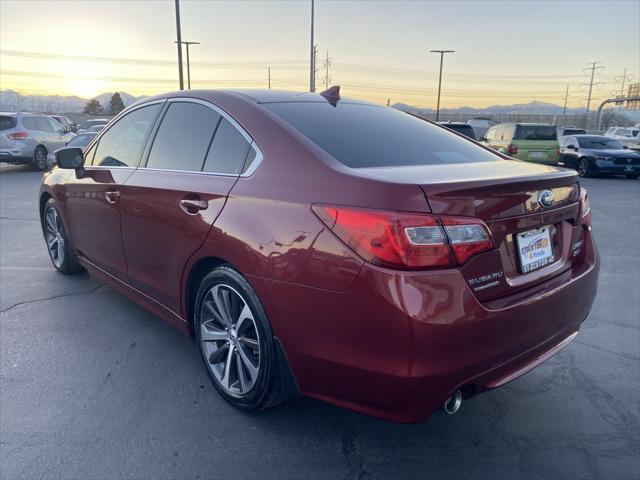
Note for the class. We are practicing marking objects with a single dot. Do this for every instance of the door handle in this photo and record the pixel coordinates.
(192, 207)
(112, 197)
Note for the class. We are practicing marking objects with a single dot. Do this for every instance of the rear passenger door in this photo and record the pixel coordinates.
(169, 204)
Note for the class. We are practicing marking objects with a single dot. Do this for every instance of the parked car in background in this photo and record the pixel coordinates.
(93, 123)
(27, 138)
(564, 131)
(329, 246)
(81, 140)
(95, 128)
(625, 135)
(463, 128)
(533, 142)
(66, 122)
(480, 125)
(598, 154)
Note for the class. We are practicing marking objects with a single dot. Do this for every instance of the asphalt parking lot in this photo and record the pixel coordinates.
(94, 387)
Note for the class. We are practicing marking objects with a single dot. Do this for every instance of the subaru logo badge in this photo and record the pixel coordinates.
(545, 199)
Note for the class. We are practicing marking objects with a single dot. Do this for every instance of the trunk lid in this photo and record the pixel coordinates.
(505, 195)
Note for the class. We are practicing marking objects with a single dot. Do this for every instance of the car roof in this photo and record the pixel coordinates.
(255, 96)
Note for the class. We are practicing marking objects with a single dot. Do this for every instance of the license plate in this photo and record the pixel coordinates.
(534, 249)
(537, 155)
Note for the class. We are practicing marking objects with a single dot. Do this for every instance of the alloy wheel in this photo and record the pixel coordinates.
(229, 339)
(41, 159)
(54, 236)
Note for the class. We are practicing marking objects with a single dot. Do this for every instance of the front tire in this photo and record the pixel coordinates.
(236, 342)
(583, 168)
(59, 244)
(40, 158)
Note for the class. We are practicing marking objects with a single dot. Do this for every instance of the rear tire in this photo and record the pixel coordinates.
(40, 158)
(237, 345)
(61, 250)
(583, 168)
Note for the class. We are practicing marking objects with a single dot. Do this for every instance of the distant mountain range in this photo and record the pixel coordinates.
(10, 101)
(533, 107)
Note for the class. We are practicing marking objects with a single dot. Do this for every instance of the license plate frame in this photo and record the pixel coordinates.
(537, 155)
(534, 248)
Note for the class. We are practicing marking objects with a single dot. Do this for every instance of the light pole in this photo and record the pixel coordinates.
(188, 64)
(441, 52)
(179, 42)
(312, 59)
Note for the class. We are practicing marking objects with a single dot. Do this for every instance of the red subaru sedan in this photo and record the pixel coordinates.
(329, 247)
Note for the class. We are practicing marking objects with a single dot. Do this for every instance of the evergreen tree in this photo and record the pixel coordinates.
(93, 107)
(116, 105)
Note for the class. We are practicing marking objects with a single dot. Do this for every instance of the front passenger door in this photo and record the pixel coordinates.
(92, 207)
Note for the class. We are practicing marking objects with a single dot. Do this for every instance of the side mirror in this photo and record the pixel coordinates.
(571, 147)
(70, 157)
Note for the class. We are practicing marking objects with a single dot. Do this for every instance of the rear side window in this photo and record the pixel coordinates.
(508, 133)
(183, 138)
(8, 122)
(536, 132)
(122, 144)
(361, 136)
(29, 123)
(228, 151)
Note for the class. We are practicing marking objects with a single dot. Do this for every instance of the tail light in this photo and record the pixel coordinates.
(512, 149)
(18, 135)
(585, 207)
(405, 240)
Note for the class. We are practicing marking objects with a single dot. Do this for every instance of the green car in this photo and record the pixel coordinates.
(532, 142)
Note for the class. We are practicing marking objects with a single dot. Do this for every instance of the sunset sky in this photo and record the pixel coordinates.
(506, 51)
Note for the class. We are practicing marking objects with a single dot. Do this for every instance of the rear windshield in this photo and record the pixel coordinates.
(463, 129)
(536, 132)
(362, 136)
(7, 122)
(599, 143)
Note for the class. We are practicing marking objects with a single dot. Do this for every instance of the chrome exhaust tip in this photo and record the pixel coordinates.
(452, 404)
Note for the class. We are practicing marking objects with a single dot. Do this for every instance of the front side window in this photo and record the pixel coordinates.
(122, 144)
(43, 125)
(228, 151)
(499, 133)
(183, 138)
(362, 136)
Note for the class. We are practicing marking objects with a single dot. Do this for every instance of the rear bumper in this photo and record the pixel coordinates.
(14, 156)
(398, 344)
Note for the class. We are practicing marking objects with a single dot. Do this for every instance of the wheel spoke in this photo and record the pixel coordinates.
(51, 241)
(227, 369)
(251, 368)
(245, 314)
(221, 300)
(219, 355)
(216, 316)
(250, 342)
(209, 333)
(244, 383)
(60, 253)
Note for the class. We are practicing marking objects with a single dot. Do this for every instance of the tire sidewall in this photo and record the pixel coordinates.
(70, 263)
(258, 395)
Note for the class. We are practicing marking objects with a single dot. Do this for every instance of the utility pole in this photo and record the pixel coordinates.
(179, 42)
(312, 59)
(441, 52)
(327, 77)
(188, 64)
(622, 79)
(269, 77)
(564, 110)
(594, 66)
